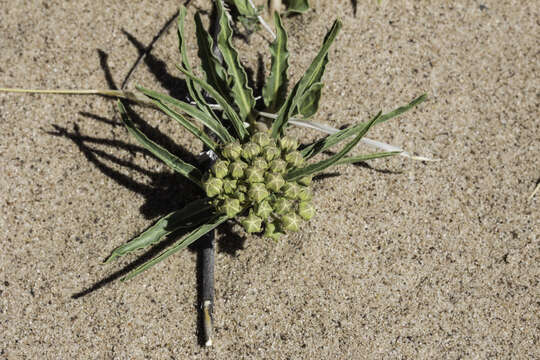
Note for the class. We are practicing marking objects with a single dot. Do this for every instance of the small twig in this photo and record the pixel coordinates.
(535, 190)
(122, 94)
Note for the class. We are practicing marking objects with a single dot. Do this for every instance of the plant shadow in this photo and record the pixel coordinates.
(162, 192)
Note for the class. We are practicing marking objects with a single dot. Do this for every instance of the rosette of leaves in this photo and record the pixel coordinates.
(261, 177)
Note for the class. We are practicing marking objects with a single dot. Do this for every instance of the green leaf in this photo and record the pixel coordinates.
(400, 110)
(275, 89)
(243, 94)
(192, 111)
(179, 245)
(227, 108)
(193, 90)
(312, 75)
(308, 104)
(360, 158)
(329, 141)
(321, 165)
(296, 6)
(175, 163)
(172, 222)
(216, 74)
(315, 71)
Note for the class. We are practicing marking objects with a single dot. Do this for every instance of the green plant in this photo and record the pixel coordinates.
(261, 177)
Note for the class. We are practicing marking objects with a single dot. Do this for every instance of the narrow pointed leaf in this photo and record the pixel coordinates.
(275, 89)
(179, 245)
(321, 165)
(309, 102)
(316, 69)
(172, 161)
(216, 74)
(174, 221)
(329, 141)
(243, 94)
(227, 108)
(187, 124)
(360, 158)
(193, 90)
(400, 110)
(312, 75)
(192, 111)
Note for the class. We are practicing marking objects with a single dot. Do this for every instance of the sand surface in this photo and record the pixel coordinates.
(404, 259)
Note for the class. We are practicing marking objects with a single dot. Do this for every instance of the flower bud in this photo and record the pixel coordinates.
(278, 166)
(288, 143)
(254, 175)
(229, 186)
(274, 182)
(304, 194)
(271, 152)
(213, 186)
(264, 209)
(306, 180)
(261, 138)
(291, 222)
(232, 151)
(306, 210)
(282, 206)
(236, 169)
(257, 192)
(272, 231)
(291, 190)
(260, 163)
(231, 207)
(252, 223)
(250, 150)
(220, 168)
(295, 158)
(241, 196)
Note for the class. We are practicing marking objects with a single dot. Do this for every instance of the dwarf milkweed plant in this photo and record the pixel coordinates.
(261, 176)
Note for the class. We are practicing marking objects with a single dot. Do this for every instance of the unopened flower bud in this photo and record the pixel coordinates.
(271, 152)
(291, 222)
(306, 210)
(304, 194)
(262, 138)
(288, 143)
(252, 223)
(236, 169)
(220, 168)
(264, 209)
(254, 175)
(213, 186)
(250, 150)
(260, 163)
(232, 151)
(257, 192)
(229, 186)
(278, 166)
(241, 196)
(282, 206)
(295, 158)
(306, 180)
(272, 231)
(231, 207)
(274, 182)
(291, 190)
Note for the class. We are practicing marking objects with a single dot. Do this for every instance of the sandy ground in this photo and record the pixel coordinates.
(404, 259)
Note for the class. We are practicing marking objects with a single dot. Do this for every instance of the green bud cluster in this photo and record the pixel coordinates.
(251, 176)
